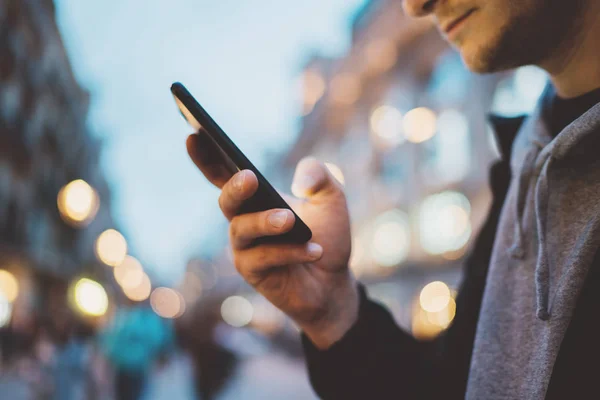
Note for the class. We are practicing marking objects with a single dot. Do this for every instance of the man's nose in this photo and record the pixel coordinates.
(419, 8)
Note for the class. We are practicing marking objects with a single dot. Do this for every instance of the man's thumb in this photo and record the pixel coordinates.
(312, 178)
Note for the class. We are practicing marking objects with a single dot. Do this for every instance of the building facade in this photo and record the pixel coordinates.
(44, 144)
(404, 125)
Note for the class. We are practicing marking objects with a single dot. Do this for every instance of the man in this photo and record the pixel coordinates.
(526, 313)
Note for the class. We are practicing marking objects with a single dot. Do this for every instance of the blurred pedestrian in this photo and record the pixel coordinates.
(171, 378)
(525, 325)
(132, 343)
(74, 378)
(213, 364)
(21, 376)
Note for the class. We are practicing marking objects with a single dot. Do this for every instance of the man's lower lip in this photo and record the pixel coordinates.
(451, 34)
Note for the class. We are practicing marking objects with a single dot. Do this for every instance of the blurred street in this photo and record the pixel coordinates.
(116, 276)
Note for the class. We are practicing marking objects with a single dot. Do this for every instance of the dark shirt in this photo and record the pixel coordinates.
(558, 113)
(378, 360)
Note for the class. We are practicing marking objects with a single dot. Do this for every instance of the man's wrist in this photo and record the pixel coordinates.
(341, 315)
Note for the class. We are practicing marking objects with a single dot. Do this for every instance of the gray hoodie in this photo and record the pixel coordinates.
(548, 234)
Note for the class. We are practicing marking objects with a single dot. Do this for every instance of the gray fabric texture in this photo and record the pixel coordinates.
(548, 235)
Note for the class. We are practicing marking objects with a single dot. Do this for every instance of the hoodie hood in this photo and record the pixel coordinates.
(535, 156)
(547, 236)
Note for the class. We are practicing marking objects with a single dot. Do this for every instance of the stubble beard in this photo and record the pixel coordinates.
(546, 31)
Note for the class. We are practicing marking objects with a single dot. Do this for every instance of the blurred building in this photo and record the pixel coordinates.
(403, 124)
(44, 144)
(401, 118)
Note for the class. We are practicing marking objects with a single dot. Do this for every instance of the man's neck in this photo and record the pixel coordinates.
(575, 68)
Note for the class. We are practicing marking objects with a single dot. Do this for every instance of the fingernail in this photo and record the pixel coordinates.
(315, 250)
(277, 219)
(238, 181)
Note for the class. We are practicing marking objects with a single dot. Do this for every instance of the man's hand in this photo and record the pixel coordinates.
(311, 283)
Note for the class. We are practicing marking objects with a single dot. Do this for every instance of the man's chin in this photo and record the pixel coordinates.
(483, 61)
(478, 65)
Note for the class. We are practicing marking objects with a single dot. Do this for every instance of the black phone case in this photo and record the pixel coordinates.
(266, 197)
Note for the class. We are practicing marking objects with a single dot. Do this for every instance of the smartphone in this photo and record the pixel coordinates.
(266, 197)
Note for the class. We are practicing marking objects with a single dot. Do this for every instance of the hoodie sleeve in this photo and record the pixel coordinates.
(367, 361)
(376, 359)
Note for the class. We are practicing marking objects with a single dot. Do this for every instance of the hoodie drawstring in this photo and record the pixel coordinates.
(517, 250)
(542, 267)
(535, 166)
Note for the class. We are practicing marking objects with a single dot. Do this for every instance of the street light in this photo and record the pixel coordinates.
(434, 311)
(129, 274)
(444, 222)
(420, 124)
(78, 203)
(386, 126)
(140, 292)
(167, 302)
(9, 287)
(237, 311)
(5, 311)
(111, 247)
(90, 297)
(390, 244)
(435, 297)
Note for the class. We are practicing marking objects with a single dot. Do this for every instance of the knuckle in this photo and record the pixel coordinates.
(222, 203)
(262, 257)
(239, 263)
(254, 226)
(234, 228)
(297, 255)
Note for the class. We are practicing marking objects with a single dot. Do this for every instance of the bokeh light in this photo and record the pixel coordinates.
(111, 247)
(357, 257)
(345, 89)
(140, 292)
(434, 310)
(336, 172)
(420, 125)
(453, 160)
(204, 271)
(434, 297)
(518, 94)
(5, 310)
(266, 317)
(386, 126)
(191, 287)
(130, 273)
(444, 222)
(90, 297)
(530, 82)
(167, 302)
(9, 286)
(313, 86)
(445, 316)
(78, 203)
(381, 55)
(454, 255)
(390, 243)
(237, 311)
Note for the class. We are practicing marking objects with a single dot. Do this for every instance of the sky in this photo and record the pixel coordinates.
(240, 58)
